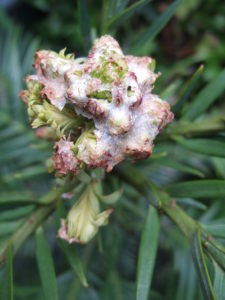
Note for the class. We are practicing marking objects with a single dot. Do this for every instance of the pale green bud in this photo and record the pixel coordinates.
(84, 218)
(49, 115)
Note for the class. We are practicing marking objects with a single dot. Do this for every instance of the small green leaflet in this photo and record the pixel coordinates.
(187, 90)
(147, 254)
(191, 202)
(202, 146)
(217, 252)
(216, 230)
(179, 166)
(219, 165)
(156, 27)
(6, 285)
(206, 97)
(125, 14)
(45, 266)
(16, 213)
(30, 172)
(219, 281)
(72, 256)
(198, 189)
(16, 197)
(201, 267)
(9, 227)
(111, 8)
(83, 177)
(111, 198)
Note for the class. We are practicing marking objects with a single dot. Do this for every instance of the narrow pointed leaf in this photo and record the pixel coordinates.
(156, 27)
(187, 90)
(200, 127)
(45, 266)
(6, 284)
(217, 252)
(84, 23)
(198, 189)
(30, 172)
(127, 13)
(13, 214)
(159, 155)
(26, 229)
(203, 146)
(206, 97)
(147, 254)
(16, 197)
(111, 198)
(219, 165)
(219, 281)
(201, 267)
(110, 9)
(84, 177)
(73, 259)
(118, 5)
(180, 167)
(216, 230)
(8, 227)
(106, 15)
(191, 202)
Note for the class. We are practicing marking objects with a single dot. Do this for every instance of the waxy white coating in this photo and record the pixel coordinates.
(115, 92)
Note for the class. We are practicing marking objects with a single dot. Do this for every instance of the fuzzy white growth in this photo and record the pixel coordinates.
(99, 110)
(112, 90)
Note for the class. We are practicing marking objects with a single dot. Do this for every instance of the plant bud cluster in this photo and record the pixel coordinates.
(100, 109)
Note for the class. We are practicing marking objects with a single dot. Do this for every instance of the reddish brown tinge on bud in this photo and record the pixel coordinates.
(64, 159)
(111, 91)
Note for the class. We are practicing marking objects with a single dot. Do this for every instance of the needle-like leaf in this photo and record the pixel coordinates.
(45, 266)
(187, 90)
(148, 35)
(198, 189)
(201, 267)
(126, 13)
(6, 285)
(147, 254)
(219, 281)
(180, 167)
(206, 97)
(203, 146)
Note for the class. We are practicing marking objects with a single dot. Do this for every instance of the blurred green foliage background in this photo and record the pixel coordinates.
(194, 36)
